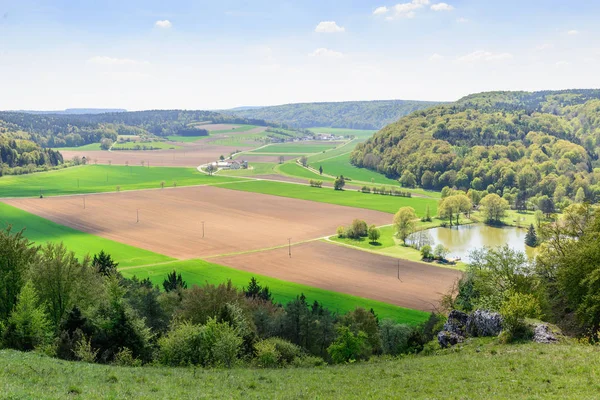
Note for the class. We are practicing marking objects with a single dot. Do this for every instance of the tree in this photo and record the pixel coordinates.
(427, 180)
(531, 239)
(427, 217)
(211, 169)
(454, 205)
(404, 222)
(546, 205)
(539, 218)
(374, 234)
(281, 159)
(347, 346)
(494, 208)
(320, 170)
(440, 252)
(304, 161)
(17, 254)
(174, 282)
(221, 157)
(426, 252)
(104, 263)
(408, 179)
(339, 183)
(580, 195)
(28, 325)
(255, 291)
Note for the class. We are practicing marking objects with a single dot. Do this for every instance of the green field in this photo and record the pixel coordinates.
(238, 128)
(199, 272)
(295, 148)
(101, 178)
(185, 139)
(340, 165)
(351, 198)
(359, 133)
(41, 230)
(158, 145)
(480, 369)
(253, 169)
(294, 170)
(91, 146)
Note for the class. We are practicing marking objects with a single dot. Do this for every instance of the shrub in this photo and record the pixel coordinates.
(374, 234)
(426, 252)
(394, 337)
(341, 232)
(267, 355)
(365, 189)
(182, 345)
(125, 358)
(308, 362)
(514, 310)
(221, 343)
(84, 351)
(288, 351)
(347, 346)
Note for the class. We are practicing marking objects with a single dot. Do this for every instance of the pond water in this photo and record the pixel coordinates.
(463, 239)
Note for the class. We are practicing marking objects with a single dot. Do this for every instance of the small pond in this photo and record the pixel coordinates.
(463, 239)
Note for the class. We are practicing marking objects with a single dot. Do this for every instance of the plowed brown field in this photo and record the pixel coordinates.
(342, 269)
(171, 220)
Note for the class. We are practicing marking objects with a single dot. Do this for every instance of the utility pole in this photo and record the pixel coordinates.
(290, 247)
(138, 215)
(202, 229)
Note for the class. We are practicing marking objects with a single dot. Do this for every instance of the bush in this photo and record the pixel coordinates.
(308, 362)
(426, 252)
(341, 232)
(84, 351)
(182, 345)
(125, 358)
(288, 351)
(394, 337)
(374, 234)
(267, 355)
(348, 346)
(514, 310)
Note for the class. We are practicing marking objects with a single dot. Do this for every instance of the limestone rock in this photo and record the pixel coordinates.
(484, 323)
(457, 323)
(447, 339)
(543, 334)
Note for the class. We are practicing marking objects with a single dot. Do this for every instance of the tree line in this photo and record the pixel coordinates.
(84, 309)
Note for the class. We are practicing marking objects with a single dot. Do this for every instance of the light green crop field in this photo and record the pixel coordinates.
(199, 272)
(340, 165)
(238, 128)
(102, 178)
(254, 169)
(480, 369)
(185, 139)
(346, 148)
(296, 148)
(240, 140)
(158, 145)
(294, 170)
(91, 146)
(359, 133)
(351, 198)
(40, 230)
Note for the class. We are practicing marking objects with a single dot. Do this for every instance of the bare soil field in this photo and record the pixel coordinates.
(285, 178)
(263, 158)
(170, 220)
(341, 269)
(189, 156)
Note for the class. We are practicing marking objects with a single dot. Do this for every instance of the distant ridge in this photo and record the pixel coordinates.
(76, 111)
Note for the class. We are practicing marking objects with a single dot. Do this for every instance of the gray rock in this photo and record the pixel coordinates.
(447, 339)
(484, 323)
(457, 323)
(543, 334)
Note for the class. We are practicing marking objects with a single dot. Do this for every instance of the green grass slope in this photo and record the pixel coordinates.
(481, 370)
(101, 178)
(351, 198)
(40, 230)
(295, 148)
(199, 272)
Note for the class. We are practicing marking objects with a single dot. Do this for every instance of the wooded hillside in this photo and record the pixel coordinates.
(516, 144)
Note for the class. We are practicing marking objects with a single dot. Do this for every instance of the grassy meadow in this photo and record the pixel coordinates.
(481, 369)
(156, 145)
(200, 272)
(350, 198)
(41, 230)
(294, 170)
(296, 148)
(91, 146)
(101, 178)
(185, 139)
(238, 128)
(358, 133)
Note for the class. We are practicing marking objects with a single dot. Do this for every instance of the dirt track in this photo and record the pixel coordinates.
(338, 268)
(170, 220)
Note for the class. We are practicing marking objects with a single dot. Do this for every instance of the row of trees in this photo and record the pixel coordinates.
(83, 309)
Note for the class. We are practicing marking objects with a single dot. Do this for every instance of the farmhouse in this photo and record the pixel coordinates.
(231, 164)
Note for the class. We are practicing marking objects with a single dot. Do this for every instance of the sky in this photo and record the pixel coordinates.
(196, 54)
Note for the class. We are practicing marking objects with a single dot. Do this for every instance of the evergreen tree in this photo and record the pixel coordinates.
(104, 263)
(320, 169)
(174, 282)
(531, 239)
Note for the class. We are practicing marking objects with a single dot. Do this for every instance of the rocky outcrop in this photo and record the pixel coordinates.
(543, 334)
(461, 325)
(484, 323)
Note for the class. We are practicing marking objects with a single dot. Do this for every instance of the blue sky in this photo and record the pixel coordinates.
(207, 55)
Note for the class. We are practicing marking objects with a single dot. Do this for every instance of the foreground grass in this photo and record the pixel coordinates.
(40, 230)
(350, 198)
(200, 272)
(480, 370)
(101, 178)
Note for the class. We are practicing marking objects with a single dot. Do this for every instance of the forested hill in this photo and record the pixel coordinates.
(350, 114)
(59, 130)
(521, 145)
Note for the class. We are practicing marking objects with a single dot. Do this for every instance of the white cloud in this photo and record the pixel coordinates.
(442, 7)
(380, 10)
(573, 32)
(462, 20)
(323, 52)
(329, 27)
(480, 55)
(403, 10)
(436, 57)
(164, 24)
(104, 60)
(544, 46)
